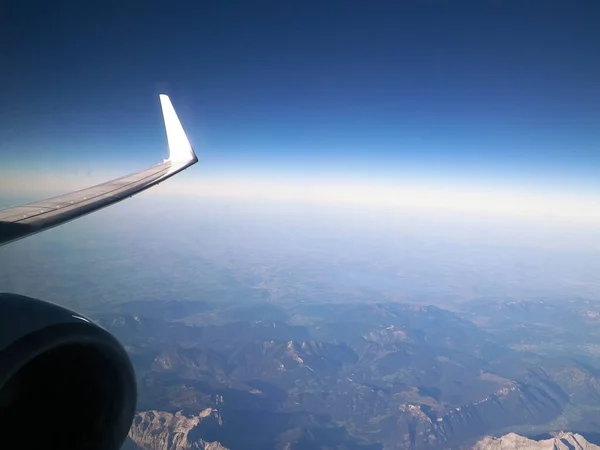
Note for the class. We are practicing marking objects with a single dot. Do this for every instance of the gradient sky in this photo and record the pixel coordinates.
(502, 96)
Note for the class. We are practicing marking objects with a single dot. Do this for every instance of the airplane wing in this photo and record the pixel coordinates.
(21, 221)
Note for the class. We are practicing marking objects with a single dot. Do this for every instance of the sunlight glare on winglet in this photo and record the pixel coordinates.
(180, 149)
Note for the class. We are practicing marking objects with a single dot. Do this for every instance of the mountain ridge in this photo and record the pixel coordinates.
(560, 441)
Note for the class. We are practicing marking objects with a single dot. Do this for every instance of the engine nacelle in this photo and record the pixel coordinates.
(65, 383)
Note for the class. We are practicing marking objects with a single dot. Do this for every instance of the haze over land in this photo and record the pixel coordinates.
(271, 251)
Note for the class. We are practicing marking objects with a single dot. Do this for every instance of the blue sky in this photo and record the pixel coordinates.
(472, 93)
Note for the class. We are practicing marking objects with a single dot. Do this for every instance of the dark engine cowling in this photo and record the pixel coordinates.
(65, 383)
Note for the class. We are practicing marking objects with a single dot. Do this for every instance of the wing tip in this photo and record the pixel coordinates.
(180, 149)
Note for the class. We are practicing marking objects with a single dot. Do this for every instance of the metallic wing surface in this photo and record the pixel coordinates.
(21, 221)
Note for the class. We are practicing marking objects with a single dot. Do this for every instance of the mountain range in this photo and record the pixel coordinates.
(358, 376)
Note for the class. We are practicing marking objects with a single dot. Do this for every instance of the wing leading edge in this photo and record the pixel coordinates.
(21, 221)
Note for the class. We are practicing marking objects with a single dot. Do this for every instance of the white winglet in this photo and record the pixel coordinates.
(180, 149)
